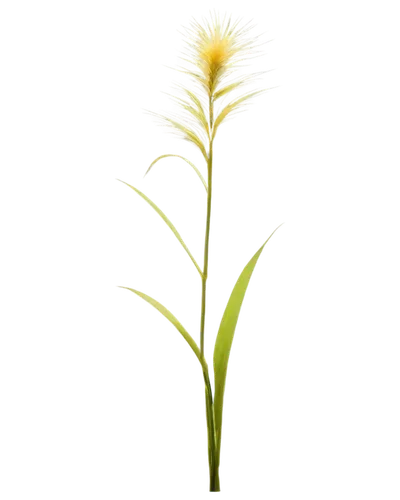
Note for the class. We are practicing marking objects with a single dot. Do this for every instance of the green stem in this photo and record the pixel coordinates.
(206, 245)
(212, 449)
(212, 453)
(214, 479)
(210, 426)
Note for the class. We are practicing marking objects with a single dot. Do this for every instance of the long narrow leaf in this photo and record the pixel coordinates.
(166, 219)
(170, 155)
(224, 339)
(165, 312)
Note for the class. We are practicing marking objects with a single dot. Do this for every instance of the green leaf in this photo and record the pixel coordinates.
(224, 339)
(170, 155)
(164, 311)
(166, 219)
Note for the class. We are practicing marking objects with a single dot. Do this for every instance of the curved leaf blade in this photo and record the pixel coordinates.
(166, 313)
(170, 317)
(166, 219)
(171, 155)
(224, 339)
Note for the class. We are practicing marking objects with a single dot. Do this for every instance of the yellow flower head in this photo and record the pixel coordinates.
(213, 50)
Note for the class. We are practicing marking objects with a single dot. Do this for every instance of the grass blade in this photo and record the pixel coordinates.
(166, 219)
(224, 340)
(170, 317)
(170, 155)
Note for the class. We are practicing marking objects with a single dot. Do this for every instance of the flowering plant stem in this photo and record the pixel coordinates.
(215, 50)
(212, 458)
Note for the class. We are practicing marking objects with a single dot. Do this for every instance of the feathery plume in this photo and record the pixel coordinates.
(214, 51)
